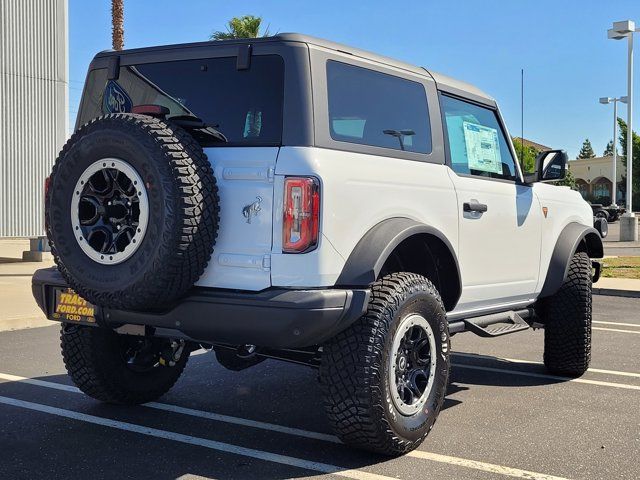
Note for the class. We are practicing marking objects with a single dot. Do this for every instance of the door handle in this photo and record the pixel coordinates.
(474, 206)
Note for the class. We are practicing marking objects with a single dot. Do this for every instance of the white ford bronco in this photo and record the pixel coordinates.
(292, 198)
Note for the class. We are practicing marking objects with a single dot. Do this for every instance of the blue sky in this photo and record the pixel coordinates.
(562, 46)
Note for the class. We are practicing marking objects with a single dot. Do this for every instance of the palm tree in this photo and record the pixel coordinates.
(117, 24)
(246, 26)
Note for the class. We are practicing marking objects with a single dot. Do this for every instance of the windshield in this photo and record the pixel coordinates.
(245, 105)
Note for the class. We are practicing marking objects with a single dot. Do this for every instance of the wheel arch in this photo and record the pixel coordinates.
(394, 242)
(575, 237)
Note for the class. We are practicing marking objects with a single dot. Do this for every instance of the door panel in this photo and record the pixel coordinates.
(499, 218)
(499, 249)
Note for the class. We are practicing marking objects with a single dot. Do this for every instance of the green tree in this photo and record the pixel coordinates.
(608, 150)
(587, 150)
(526, 155)
(247, 26)
(636, 162)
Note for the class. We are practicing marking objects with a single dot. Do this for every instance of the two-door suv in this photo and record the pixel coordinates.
(291, 198)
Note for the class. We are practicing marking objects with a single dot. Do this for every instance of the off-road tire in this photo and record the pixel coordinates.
(93, 358)
(183, 212)
(567, 321)
(601, 214)
(354, 369)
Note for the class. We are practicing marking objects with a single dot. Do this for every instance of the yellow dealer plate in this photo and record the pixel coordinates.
(68, 306)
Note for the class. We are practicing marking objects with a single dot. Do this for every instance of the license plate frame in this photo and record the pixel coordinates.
(68, 306)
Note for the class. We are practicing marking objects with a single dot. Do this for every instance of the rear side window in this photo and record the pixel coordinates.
(245, 105)
(477, 144)
(376, 109)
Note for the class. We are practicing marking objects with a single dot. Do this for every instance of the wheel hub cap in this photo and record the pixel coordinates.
(109, 211)
(412, 364)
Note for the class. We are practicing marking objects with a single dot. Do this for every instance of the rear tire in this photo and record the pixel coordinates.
(96, 361)
(567, 319)
(362, 373)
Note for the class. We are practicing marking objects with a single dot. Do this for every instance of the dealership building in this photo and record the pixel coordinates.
(594, 178)
(33, 107)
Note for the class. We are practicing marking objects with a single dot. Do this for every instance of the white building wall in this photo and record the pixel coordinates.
(33, 107)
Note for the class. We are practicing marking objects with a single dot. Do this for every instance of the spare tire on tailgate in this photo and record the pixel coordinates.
(131, 211)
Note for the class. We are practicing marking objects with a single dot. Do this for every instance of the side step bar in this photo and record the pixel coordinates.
(495, 324)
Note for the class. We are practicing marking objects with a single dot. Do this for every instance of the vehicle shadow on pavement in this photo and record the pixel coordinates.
(274, 393)
(492, 371)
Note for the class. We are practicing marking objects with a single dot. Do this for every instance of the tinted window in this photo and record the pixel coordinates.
(477, 144)
(373, 108)
(245, 105)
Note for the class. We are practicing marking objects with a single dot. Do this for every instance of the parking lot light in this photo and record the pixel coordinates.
(628, 224)
(614, 180)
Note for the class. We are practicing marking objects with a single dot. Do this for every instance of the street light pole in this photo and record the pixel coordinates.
(614, 196)
(628, 224)
(614, 180)
(629, 125)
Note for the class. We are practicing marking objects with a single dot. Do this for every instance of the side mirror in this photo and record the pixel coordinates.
(551, 166)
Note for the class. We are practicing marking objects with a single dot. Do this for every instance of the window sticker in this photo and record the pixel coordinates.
(115, 99)
(483, 149)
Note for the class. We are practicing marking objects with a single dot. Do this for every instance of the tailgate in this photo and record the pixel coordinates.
(242, 253)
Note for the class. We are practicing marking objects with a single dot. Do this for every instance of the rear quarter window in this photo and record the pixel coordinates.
(376, 109)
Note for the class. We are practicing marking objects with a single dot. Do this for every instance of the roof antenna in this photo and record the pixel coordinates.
(522, 116)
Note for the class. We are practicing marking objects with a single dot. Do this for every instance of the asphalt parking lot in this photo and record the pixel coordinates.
(503, 417)
(612, 245)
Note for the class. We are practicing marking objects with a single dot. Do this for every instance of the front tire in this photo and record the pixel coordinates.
(567, 321)
(385, 377)
(100, 363)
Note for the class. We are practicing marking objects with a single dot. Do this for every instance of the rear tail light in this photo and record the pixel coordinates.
(47, 186)
(152, 110)
(47, 183)
(301, 218)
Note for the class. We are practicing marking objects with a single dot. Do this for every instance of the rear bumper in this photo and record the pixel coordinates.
(274, 318)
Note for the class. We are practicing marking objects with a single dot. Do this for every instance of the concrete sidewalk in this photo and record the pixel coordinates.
(18, 309)
(613, 247)
(618, 287)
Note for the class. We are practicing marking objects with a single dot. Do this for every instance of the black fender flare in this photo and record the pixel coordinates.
(372, 251)
(571, 238)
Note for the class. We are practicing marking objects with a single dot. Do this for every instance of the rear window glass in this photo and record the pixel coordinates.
(376, 109)
(245, 105)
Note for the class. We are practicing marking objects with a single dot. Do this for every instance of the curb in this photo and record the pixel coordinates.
(13, 324)
(612, 292)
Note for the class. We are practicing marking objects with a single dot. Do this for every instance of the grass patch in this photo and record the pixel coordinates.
(621, 267)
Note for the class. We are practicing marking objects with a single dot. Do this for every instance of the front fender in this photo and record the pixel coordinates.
(573, 236)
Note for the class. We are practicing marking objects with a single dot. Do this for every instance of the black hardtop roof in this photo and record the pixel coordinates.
(441, 80)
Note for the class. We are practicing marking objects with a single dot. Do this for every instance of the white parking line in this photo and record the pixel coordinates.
(462, 462)
(485, 467)
(243, 421)
(187, 411)
(637, 332)
(531, 362)
(200, 442)
(636, 325)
